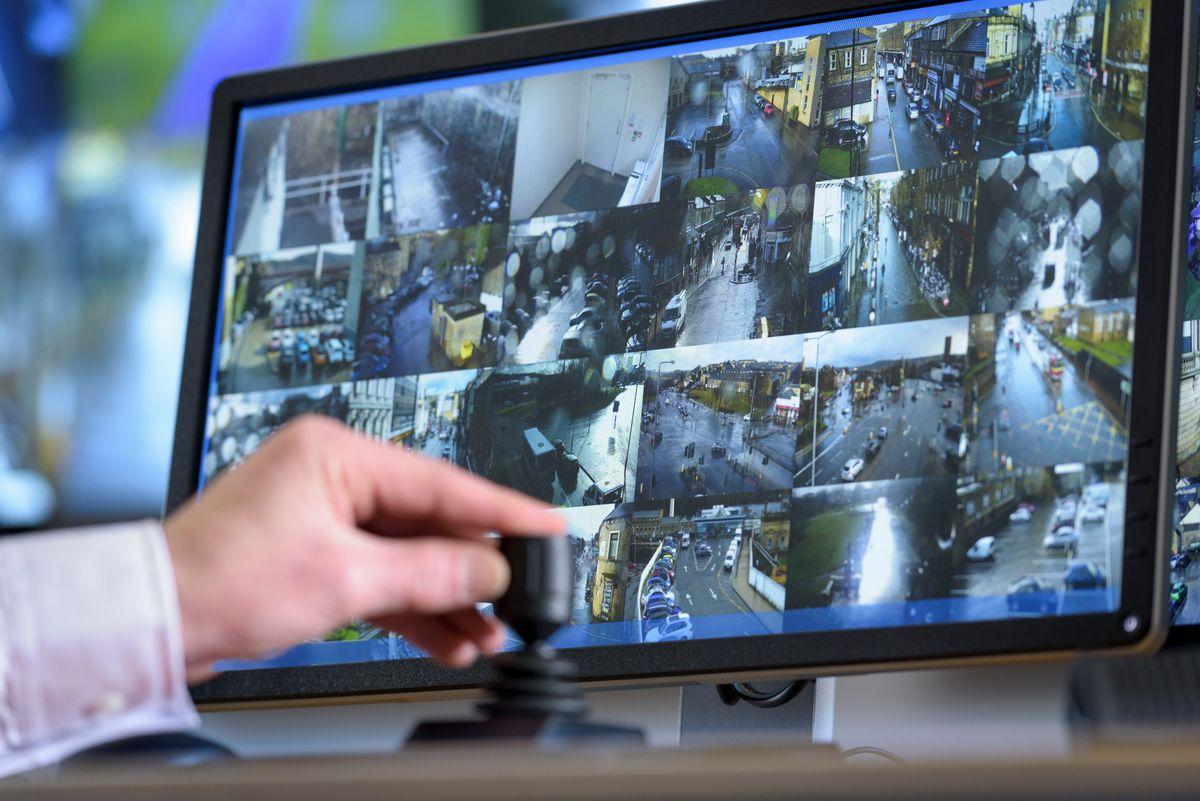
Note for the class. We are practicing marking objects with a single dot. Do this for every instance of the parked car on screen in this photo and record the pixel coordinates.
(1031, 595)
(983, 550)
(659, 596)
(679, 146)
(1084, 575)
(1061, 539)
(1022, 514)
(1179, 596)
(671, 629)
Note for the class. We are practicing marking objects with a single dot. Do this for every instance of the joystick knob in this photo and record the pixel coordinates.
(538, 600)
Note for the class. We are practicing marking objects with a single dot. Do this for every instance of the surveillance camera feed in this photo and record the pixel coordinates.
(829, 327)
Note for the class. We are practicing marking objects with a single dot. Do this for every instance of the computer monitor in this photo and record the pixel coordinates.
(845, 338)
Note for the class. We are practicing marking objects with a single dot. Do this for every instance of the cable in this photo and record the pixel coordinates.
(730, 694)
(874, 751)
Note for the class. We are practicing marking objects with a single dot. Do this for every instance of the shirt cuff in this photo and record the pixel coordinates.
(90, 643)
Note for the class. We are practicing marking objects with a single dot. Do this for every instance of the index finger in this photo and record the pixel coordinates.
(391, 487)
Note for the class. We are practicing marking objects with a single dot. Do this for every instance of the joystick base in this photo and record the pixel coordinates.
(547, 732)
(533, 699)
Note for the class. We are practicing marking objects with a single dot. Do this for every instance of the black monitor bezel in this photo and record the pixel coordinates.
(1152, 409)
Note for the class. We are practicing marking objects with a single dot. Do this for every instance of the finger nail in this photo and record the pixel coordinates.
(487, 575)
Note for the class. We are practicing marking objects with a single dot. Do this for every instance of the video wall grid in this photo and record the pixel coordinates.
(816, 323)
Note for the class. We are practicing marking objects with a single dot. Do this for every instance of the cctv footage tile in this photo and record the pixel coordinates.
(708, 567)
(590, 139)
(664, 569)
(1043, 96)
(1049, 387)
(289, 318)
(878, 543)
(720, 419)
(426, 300)
(447, 158)
(441, 404)
(1057, 228)
(562, 431)
(587, 284)
(1041, 540)
(237, 425)
(1187, 437)
(741, 275)
(890, 403)
(727, 129)
(713, 270)
(891, 248)
(305, 179)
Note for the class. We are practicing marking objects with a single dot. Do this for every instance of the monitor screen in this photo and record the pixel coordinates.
(825, 327)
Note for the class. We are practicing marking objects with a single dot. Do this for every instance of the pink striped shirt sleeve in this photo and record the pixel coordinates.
(90, 642)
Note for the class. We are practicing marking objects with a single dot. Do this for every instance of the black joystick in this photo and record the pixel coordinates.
(533, 696)
(536, 681)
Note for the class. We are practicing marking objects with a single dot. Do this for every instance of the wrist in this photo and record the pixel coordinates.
(199, 630)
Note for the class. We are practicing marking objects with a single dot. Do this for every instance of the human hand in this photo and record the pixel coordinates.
(321, 526)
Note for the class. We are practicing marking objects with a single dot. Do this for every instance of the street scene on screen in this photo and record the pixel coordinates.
(1064, 73)
(438, 415)
(872, 543)
(1057, 228)
(741, 272)
(1042, 538)
(891, 248)
(1185, 533)
(719, 419)
(1049, 386)
(675, 569)
(879, 404)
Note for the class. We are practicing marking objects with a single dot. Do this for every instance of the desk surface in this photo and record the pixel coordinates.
(762, 774)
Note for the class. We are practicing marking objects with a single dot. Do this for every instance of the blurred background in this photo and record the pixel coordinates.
(103, 114)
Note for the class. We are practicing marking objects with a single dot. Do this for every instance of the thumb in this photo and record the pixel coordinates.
(428, 575)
